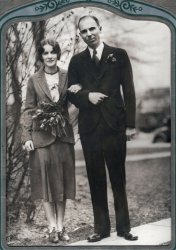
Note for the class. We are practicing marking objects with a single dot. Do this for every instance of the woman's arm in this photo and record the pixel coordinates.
(75, 88)
(30, 106)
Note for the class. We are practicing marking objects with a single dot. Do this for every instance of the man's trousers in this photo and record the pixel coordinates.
(105, 146)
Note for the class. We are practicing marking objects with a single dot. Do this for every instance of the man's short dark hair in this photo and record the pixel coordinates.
(93, 17)
(53, 43)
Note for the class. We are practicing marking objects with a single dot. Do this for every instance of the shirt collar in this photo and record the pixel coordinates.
(99, 50)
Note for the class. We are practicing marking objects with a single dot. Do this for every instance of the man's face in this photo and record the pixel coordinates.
(90, 32)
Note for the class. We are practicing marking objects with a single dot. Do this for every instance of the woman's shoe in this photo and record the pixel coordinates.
(53, 236)
(62, 235)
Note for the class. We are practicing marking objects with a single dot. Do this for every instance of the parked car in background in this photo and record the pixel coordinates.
(152, 108)
(163, 134)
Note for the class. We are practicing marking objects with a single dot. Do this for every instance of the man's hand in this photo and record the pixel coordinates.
(75, 88)
(130, 133)
(29, 146)
(96, 97)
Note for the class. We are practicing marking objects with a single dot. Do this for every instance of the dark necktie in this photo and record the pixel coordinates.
(95, 58)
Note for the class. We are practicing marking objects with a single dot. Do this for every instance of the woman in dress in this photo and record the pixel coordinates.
(48, 137)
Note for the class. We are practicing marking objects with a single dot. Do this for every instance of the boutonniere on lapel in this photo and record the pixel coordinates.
(111, 59)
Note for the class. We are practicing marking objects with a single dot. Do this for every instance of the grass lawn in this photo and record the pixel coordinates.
(149, 199)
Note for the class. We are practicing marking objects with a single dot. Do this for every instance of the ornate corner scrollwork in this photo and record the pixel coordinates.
(51, 5)
(126, 6)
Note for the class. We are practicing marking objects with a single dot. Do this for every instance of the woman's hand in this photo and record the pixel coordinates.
(75, 88)
(29, 146)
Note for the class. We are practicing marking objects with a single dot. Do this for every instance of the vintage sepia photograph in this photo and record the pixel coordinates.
(88, 131)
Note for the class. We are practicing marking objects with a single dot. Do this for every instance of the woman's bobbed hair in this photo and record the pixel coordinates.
(53, 43)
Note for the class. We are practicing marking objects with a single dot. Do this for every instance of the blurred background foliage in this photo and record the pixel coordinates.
(148, 46)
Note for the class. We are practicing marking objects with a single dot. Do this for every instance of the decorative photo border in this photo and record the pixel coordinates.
(130, 9)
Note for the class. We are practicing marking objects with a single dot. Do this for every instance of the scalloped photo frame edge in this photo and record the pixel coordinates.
(129, 9)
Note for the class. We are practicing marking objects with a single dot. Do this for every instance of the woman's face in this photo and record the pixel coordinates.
(49, 56)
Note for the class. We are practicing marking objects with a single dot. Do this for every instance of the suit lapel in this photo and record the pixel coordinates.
(103, 64)
(43, 84)
(62, 82)
(87, 63)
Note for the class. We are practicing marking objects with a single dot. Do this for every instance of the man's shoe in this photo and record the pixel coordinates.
(128, 236)
(97, 237)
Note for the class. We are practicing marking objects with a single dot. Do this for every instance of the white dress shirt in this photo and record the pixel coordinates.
(99, 50)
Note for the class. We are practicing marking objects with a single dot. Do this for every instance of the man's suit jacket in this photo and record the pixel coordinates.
(37, 92)
(115, 72)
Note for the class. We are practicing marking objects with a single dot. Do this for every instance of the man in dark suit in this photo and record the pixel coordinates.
(106, 120)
